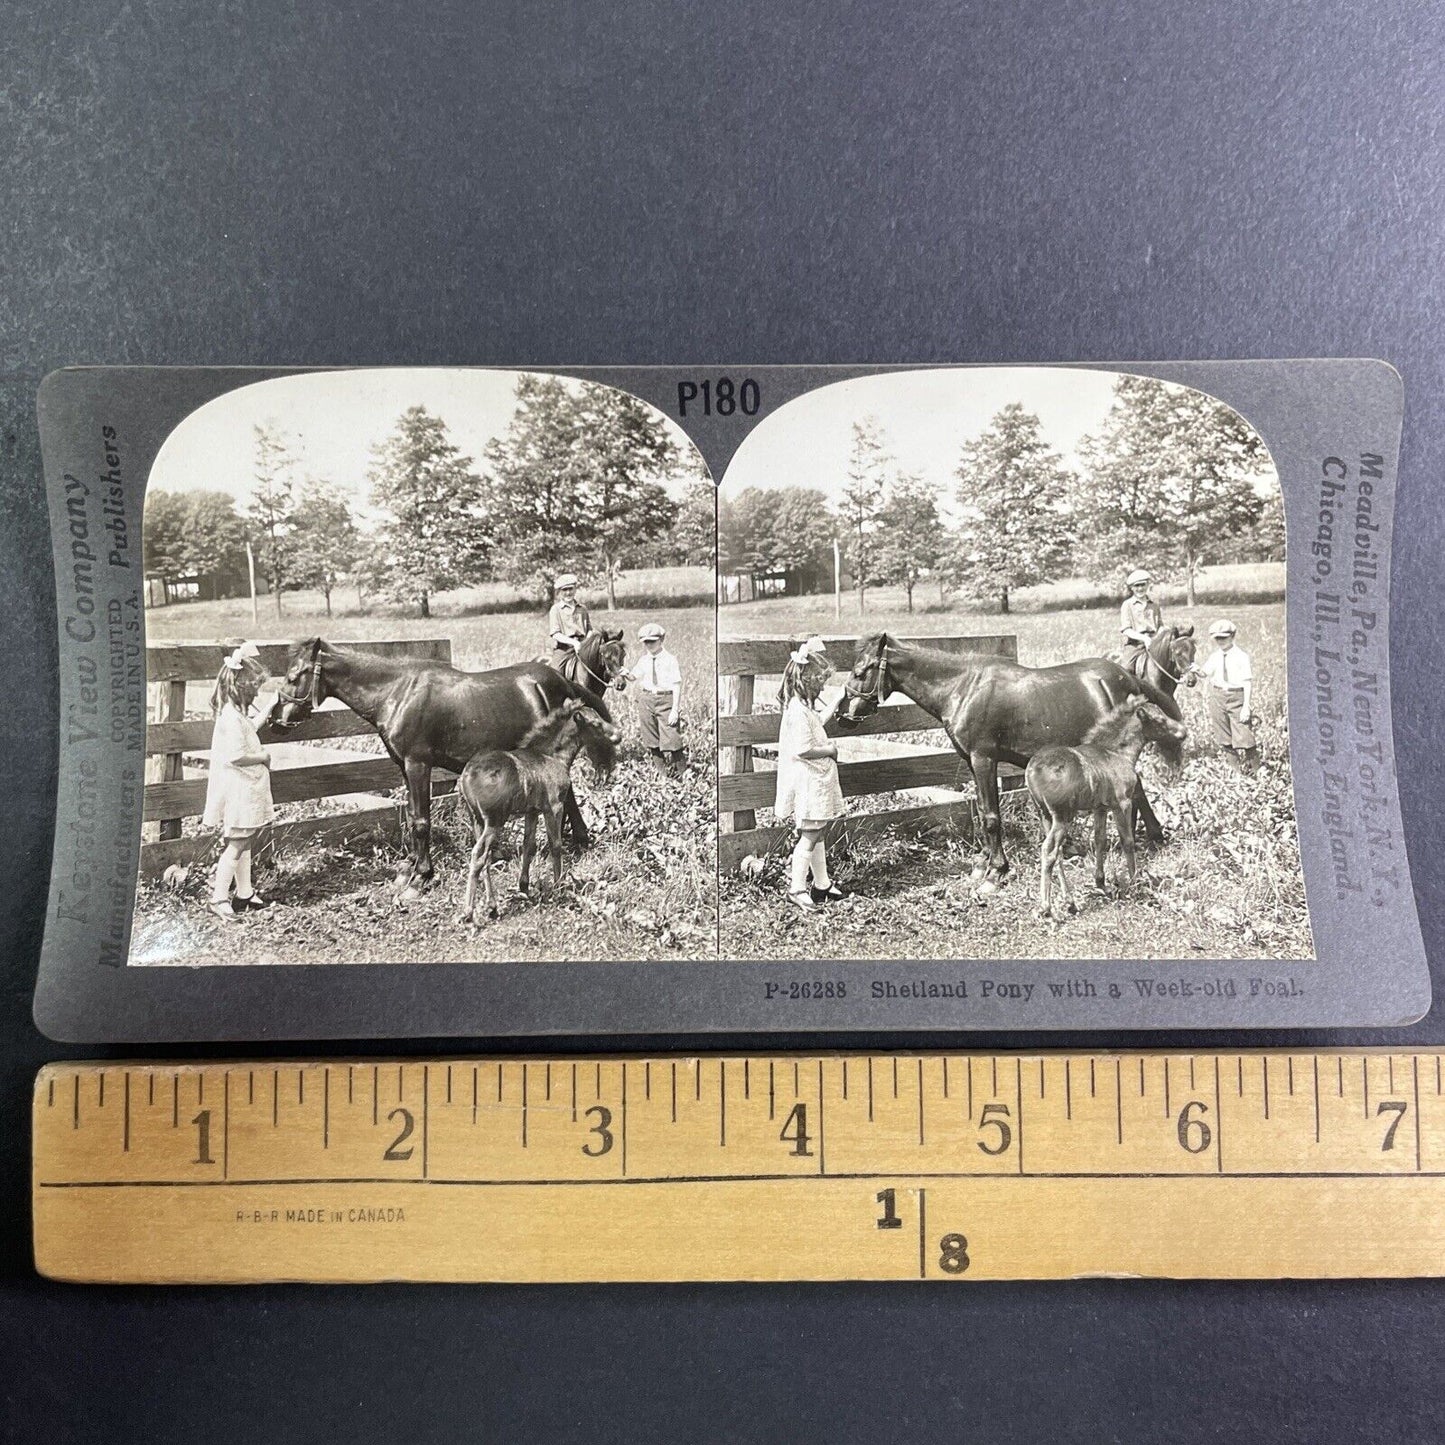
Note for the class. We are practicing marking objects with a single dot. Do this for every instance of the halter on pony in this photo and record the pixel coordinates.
(881, 687)
(310, 698)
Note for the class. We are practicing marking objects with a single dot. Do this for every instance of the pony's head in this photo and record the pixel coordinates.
(867, 683)
(303, 689)
(1178, 647)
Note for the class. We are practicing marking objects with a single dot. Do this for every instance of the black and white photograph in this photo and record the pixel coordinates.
(430, 670)
(1002, 674)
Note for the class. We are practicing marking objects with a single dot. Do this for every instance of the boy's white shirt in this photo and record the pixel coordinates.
(669, 670)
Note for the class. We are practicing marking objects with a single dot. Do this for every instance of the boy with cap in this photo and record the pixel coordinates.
(567, 622)
(658, 676)
(1139, 619)
(1230, 679)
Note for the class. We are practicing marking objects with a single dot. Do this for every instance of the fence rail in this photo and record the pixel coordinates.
(170, 797)
(742, 791)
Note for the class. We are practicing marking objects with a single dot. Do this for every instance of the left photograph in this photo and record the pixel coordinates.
(430, 664)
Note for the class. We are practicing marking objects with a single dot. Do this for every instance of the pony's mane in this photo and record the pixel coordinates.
(546, 728)
(928, 656)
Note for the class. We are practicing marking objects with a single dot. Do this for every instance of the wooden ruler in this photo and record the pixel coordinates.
(935, 1167)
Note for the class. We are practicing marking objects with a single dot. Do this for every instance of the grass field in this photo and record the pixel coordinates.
(1227, 884)
(645, 889)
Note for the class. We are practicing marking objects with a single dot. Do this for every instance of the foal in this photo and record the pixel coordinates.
(536, 776)
(1098, 776)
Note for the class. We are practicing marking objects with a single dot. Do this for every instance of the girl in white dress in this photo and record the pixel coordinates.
(238, 787)
(808, 791)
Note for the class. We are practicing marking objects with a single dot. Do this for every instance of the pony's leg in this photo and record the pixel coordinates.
(985, 783)
(1153, 828)
(576, 823)
(529, 847)
(553, 820)
(418, 789)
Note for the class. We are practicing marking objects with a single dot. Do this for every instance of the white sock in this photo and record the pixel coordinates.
(225, 875)
(243, 874)
(820, 865)
(798, 873)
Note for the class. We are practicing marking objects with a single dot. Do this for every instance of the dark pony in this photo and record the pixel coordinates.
(534, 776)
(595, 665)
(996, 711)
(1169, 657)
(430, 715)
(1098, 776)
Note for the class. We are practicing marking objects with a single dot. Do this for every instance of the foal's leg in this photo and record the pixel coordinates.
(1063, 837)
(1101, 845)
(553, 819)
(1124, 822)
(529, 847)
(473, 868)
(488, 843)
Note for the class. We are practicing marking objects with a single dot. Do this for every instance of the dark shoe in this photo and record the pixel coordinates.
(831, 894)
(252, 903)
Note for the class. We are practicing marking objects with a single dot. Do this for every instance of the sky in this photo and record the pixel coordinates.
(332, 420)
(926, 417)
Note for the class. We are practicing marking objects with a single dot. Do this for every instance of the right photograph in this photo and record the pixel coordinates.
(1002, 674)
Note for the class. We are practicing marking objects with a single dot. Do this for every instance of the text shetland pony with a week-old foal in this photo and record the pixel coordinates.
(532, 778)
(997, 711)
(431, 715)
(1098, 776)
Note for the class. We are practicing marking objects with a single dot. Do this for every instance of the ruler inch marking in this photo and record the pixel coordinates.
(226, 1124)
(1019, 1096)
(426, 1114)
(1415, 1083)
(923, 1234)
(125, 1113)
(1218, 1121)
(1119, 1102)
(920, 1096)
(822, 1130)
(1317, 1097)
(1068, 1091)
(326, 1108)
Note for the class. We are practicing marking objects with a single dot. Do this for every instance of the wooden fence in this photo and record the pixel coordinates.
(170, 797)
(741, 791)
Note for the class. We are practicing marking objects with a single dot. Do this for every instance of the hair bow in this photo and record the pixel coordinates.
(809, 649)
(246, 652)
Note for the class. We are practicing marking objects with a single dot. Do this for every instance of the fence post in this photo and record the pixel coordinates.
(735, 697)
(168, 704)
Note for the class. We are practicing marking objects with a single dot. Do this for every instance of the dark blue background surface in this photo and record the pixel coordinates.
(261, 183)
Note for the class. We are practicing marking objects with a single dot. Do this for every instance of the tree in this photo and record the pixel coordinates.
(435, 535)
(324, 539)
(214, 536)
(164, 533)
(629, 449)
(909, 533)
(270, 509)
(774, 529)
(860, 500)
(581, 478)
(193, 533)
(693, 538)
(1172, 475)
(1266, 542)
(1011, 488)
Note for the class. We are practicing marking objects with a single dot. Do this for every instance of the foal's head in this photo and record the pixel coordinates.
(1135, 723)
(573, 725)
